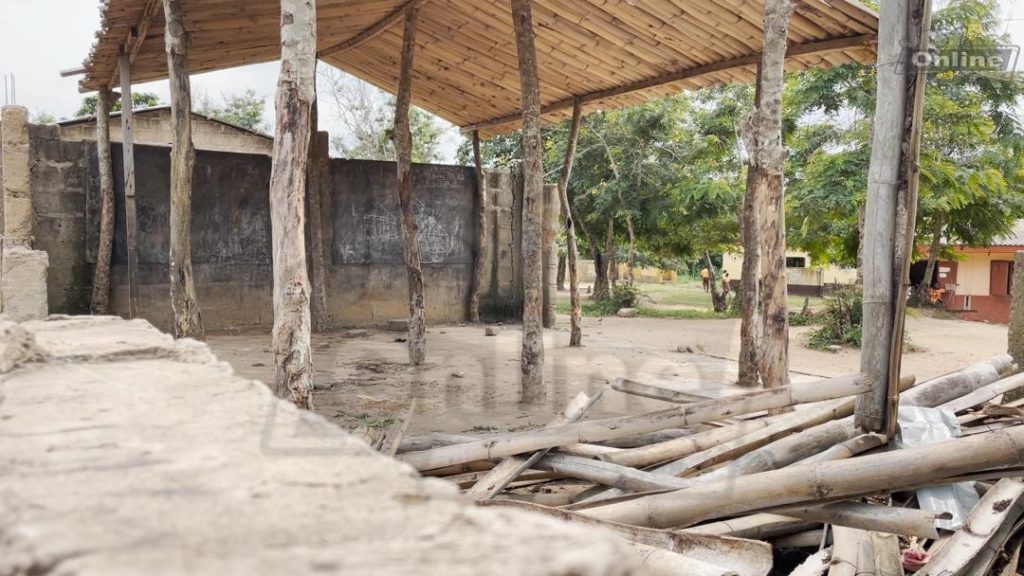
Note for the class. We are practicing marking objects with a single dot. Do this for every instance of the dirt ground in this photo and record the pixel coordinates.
(471, 381)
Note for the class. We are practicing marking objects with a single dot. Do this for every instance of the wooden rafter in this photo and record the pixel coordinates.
(373, 31)
(137, 35)
(748, 60)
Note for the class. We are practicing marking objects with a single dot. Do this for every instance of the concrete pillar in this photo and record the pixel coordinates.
(23, 294)
(18, 218)
(551, 223)
(1016, 333)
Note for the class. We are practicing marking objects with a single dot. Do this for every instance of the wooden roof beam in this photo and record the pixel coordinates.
(750, 59)
(373, 31)
(137, 35)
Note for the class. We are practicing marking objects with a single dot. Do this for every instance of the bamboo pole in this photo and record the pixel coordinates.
(576, 315)
(889, 519)
(635, 388)
(732, 555)
(852, 552)
(188, 322)
(880, 215)
(128, 160)
(819, 438)
(105, 247)
(296, 91)
(994, 509)
(906, 206)
(500, 446)
(885, 472)
(508, 469)
(410, 231)
(533, 389)
(482, 246)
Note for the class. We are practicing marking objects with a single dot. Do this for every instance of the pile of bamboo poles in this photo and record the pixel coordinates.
(720, 486)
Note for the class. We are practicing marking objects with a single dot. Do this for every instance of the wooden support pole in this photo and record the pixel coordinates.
(128, 156)
(479, 274)
(410, 230)
(920, 21)
(762, 132)
(533, 389)
(377, 29)
(576, 318)
(296, 91)
(751, 328)
(880, 214)
(188, 322)
(318, 186)
(105, 247)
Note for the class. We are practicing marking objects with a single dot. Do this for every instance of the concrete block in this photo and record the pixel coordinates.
(156, 455)
(23, 284)
(18, 220)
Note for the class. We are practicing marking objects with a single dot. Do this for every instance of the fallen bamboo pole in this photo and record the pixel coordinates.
(627, 386)
(852, 552)
(598, 430)
(814, 440)
(741, 556)
(508, 469)
(886, 472)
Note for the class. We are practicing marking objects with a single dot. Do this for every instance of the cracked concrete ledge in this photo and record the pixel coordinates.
(123, 451)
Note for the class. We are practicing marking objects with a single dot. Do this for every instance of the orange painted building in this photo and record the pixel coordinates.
(979, 282)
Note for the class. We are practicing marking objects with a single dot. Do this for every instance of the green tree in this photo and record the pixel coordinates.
(245, 110)
(373, 142)
(971, 165)
(139, 100)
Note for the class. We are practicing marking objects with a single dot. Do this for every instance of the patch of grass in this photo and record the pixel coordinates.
(482, 429)
(597, 310)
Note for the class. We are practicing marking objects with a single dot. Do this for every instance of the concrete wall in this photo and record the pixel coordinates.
(808, 281)
(153, 128)
(231, 236)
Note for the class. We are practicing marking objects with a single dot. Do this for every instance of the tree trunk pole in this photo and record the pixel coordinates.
(410, 230)
(751, 327)
(767, 157)
(128, 159)
(576, 319)
(296, 91)
(479, 274)
(104, 251)
(631, 258)
(533, 199)
(933, 258)
(188, 321)
(880, 214)
(609, 255)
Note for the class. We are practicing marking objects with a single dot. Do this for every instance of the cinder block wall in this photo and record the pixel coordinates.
(366, 277)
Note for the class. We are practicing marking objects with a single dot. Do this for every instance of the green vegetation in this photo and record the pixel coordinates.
(840, 320)
(139, 100)
(245, 110)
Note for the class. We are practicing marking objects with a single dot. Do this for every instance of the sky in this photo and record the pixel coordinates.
(38, 38)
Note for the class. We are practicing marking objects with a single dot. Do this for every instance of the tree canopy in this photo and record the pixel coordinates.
(245, 110)
(139, 100)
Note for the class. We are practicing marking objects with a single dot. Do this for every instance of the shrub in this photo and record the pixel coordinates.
(841, 319)
(623, 295)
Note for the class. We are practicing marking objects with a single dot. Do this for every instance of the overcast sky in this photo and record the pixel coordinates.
(38, 38)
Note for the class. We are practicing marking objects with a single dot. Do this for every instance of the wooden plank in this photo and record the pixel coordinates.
(131, 216)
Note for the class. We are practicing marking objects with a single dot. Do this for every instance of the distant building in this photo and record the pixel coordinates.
(153, 127)
(978, 280)
(803, 278)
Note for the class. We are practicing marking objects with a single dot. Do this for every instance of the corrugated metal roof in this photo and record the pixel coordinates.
(1014, 238)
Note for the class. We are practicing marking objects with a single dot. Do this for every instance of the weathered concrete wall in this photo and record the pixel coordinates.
(60, 176)
(366, 278)
(153, 128)
(125, 452)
